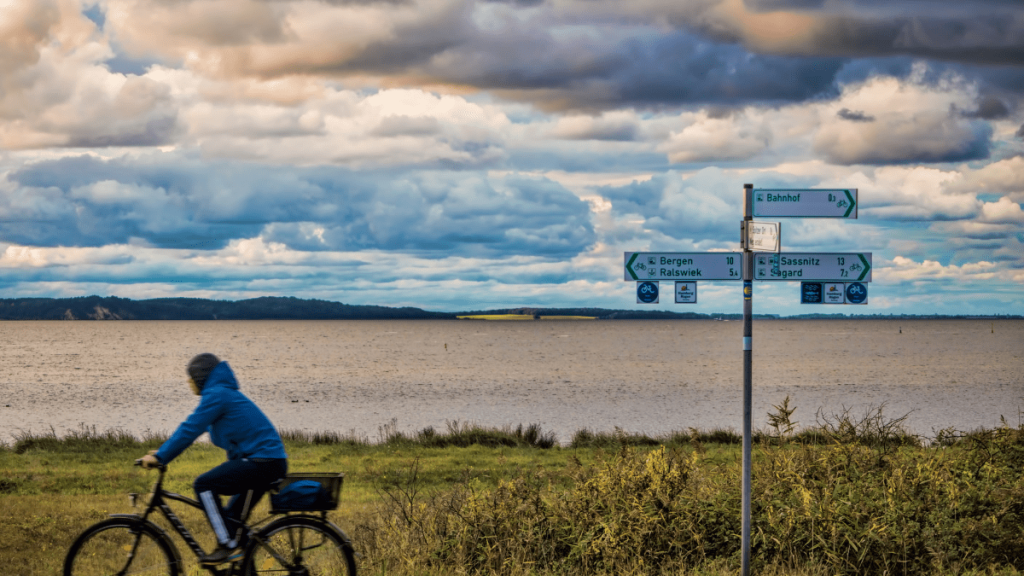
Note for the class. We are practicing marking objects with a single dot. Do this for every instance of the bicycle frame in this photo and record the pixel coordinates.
(158, 501)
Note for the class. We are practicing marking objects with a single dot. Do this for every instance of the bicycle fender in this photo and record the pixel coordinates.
(331, 525)
(155, 531)
(344, 537)
(133, 517)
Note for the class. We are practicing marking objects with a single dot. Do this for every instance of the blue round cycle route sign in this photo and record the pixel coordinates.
(647, 292)
(856, 292)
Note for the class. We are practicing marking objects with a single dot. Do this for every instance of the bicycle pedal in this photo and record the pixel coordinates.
(233, 558)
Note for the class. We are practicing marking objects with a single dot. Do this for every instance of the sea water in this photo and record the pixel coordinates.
(641, 376)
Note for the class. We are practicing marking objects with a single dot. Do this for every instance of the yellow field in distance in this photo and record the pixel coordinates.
(522, 317)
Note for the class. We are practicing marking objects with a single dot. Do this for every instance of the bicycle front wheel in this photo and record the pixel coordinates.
(300, 545)
(120, 547)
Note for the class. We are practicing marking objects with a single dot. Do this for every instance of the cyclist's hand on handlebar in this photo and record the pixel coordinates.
(149, 461)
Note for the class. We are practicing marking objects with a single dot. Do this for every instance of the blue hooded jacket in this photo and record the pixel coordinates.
(234, 422)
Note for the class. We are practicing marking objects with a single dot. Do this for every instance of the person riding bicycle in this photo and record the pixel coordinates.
(256, 455)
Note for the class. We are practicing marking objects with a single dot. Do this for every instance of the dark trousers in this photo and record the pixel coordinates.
(246, 481)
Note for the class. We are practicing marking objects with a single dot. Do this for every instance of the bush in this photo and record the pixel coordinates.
(464, 434)
(85, 439)
(864, 498)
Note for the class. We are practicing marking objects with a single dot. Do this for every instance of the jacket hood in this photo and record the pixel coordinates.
(221, 376)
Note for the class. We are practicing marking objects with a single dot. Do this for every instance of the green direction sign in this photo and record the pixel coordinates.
(818, 267)
(816, 203)
(683, 265)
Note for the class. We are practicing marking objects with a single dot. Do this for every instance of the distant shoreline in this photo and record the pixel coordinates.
(290, 308)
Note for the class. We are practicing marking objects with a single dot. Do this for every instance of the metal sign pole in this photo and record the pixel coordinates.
(748, 309)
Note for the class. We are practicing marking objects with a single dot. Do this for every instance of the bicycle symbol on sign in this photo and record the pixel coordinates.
(647, 292)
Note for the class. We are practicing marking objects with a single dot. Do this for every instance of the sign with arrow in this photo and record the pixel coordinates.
(642, 266)
(811, 203)
(811, 266)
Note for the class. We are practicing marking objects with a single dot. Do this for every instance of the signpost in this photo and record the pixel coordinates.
(682, 265)
(833, 278)
(814, 266)
(748, 378)
(816, 203)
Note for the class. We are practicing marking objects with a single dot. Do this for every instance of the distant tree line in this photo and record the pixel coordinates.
(291, 308)
(264, 308)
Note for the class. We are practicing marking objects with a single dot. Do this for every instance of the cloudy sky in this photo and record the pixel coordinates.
(470, 154)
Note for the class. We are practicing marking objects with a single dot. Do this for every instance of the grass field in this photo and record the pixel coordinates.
(56, 487)
(522, 317)
(851, 497)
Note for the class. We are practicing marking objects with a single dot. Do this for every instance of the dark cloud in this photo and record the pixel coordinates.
(680, 68)
(884, 147)
(170, 201)
(893, 137)
(155, 131)
(989, 108)
(854, 116)
(860, 69)
(646, 71)
(899, 6)
(774, 5)
(1020, 132)
(1007, 79)
(721, 112)
(985, 32)
(620, 54)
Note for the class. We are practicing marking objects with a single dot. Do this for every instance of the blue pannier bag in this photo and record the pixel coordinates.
(301, 495)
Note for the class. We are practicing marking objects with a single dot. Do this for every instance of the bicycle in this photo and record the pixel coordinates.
(297, 543)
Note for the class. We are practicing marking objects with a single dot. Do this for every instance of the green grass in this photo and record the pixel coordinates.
(53, 487)
(852, 495)
(51, 491)
(522, 317)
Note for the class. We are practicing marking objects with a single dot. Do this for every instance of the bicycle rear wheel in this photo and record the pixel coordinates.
(300, 546)
(120, 547)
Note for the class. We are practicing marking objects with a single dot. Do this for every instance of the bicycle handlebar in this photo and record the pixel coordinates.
(160, 467)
